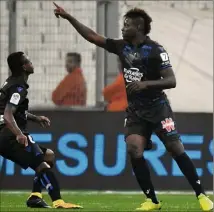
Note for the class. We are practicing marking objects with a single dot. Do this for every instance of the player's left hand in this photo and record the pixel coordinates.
(135, 87)
(44, 121)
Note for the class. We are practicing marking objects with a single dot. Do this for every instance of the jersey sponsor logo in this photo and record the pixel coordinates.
(132, 75)
(15, 98)
(168, 124)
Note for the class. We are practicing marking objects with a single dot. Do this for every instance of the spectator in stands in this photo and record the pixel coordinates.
(71, 91)
(115, 93)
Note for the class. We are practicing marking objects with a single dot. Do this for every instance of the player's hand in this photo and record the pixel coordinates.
(44, 121)
(60, 12)
(135, 87)
(22, 139)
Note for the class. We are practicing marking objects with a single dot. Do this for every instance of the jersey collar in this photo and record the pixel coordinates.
(20, 80)
(143, 43)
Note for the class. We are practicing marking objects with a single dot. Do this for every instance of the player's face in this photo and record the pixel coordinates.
(129, 29)
(70, 64)
(28, 66)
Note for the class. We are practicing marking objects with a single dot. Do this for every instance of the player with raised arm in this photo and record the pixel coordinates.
(15, 142)
(147, 72)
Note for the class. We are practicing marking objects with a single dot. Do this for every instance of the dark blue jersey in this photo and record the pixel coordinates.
(141, 63)
(14, 92)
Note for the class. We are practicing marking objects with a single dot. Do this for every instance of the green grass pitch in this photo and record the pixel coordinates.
(100, 201)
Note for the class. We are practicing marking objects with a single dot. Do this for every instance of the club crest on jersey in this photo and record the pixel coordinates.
(146, 50)
(168, 124)
(132, 75)
(19, 89)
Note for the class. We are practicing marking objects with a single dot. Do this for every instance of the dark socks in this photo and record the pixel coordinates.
(36, 185)
(142, 174)
(49, 181)
(188, 169)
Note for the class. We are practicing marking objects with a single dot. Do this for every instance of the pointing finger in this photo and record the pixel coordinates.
(56, 5)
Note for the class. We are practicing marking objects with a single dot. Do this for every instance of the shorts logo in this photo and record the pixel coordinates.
(168, 124)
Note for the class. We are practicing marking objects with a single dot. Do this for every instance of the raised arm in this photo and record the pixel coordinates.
(83, 30)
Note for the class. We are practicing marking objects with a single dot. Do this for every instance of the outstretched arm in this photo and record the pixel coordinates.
(83, 30)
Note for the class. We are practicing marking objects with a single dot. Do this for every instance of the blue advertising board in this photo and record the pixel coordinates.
(91, 153)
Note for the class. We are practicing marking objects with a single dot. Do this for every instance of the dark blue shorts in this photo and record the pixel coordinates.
(157, 118)
(31, 156)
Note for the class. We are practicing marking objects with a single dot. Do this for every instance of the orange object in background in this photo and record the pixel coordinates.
(115, 95)
(71, 91)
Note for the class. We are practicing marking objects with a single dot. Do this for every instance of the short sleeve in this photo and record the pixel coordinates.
(161, 58)
(113, 45)
(17, 95)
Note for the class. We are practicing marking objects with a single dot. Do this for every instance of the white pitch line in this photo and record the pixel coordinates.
(109, 192)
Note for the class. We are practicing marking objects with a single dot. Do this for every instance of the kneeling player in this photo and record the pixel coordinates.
(15, 142)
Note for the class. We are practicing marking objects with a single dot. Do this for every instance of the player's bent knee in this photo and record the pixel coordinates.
(49, 157)
(134, 146)
(175, 148)
(43, 166)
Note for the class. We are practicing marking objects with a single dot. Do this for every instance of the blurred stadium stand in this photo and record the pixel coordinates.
(47, 40)
(185, 28)
(4, 31)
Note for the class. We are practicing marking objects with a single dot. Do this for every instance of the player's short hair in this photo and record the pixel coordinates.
(139, 13)
(15, 62)
(76, 55)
